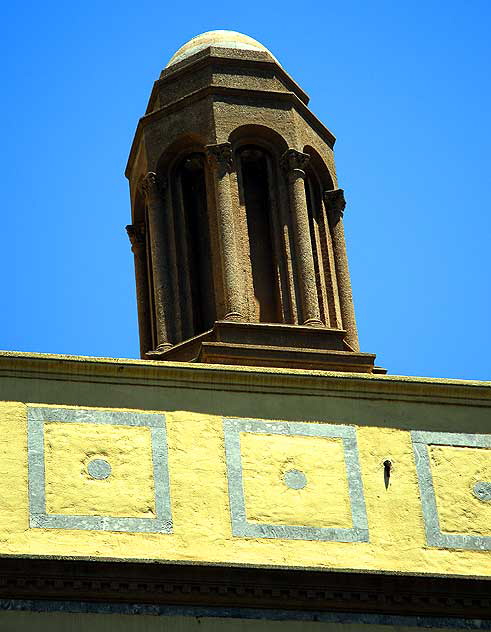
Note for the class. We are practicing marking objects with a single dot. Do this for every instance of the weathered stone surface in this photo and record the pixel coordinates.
(258, 240)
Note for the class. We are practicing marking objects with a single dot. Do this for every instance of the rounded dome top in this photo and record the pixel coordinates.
(220, 39)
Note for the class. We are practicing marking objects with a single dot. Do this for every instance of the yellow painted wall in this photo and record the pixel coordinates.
(266, 459)
(200, 501)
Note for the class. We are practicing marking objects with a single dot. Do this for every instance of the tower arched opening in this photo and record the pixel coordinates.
(193, 244)
(256, 184)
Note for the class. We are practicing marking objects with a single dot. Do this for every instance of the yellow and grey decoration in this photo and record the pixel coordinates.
(197, 488)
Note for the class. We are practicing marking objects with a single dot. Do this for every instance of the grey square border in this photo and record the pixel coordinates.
(242, 528)
(434, 536)
(38, 518)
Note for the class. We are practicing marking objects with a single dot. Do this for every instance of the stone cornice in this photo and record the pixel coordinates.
(207, 91)
(295, 591)
(229, 57)
(120, 371)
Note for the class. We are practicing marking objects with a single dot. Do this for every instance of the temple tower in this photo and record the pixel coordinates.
(237, 219)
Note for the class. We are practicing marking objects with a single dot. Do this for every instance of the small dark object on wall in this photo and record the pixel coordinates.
(387, 470)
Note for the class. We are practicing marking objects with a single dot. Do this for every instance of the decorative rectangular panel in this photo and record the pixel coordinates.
(92, 483)
(454, 475)
(98, 470)
(281, 473)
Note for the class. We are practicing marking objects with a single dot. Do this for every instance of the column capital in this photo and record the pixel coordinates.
(335, 203)
(152, 186)
(136, 233)
(220, 156)
(294, 161)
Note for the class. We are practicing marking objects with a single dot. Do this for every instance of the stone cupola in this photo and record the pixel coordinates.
(237, 221)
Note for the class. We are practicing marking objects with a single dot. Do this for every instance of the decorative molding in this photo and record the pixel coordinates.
(136, 234)
(240, 525)
(335, 204)
(434, 535)
(163, 346)
(221, 157)
(38, 515)
(294, 161)
(149, 184)
(152, 186)
(25, 371)
(235, 587)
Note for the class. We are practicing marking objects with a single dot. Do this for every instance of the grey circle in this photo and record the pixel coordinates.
(482, 491)
(295, 479)
(99, 469)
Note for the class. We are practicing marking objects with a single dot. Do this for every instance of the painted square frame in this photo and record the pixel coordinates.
(241, 527)
(37, 416)
(434, 535)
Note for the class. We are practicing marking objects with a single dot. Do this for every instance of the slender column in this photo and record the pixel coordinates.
(294, 162)
(220, 158)
(335, 205)
(136, 233)
(161, 277)
(173, 301)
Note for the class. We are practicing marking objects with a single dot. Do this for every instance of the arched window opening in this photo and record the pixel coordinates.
(256, 189)
(196, 250)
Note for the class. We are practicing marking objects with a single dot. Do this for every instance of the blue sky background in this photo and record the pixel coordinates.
(405, 87)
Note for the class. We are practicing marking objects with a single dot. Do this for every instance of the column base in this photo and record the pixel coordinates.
(233, 316)
(313, 322)
(165, 346)
(271, 345)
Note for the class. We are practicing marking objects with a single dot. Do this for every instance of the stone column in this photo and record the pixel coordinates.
(294, 163)
(136, 233)
(220, 158)
(153, 191)
(173, 302)
(335, 205)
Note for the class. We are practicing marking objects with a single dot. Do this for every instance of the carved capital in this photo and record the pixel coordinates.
(136, 233)
(335, 204)
(152, 186)
(220, 156)
(294, 161)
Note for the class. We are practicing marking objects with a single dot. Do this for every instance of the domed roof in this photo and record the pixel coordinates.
(220, 39)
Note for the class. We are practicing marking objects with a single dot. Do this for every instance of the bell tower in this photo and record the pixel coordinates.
(237, 219)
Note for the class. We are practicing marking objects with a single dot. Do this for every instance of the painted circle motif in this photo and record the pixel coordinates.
(99, 469)
(482, 491)
(295, 479)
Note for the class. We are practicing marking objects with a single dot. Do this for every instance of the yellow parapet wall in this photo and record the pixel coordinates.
(191, 487)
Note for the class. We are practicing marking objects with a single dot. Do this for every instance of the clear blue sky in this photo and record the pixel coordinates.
(404, 86)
